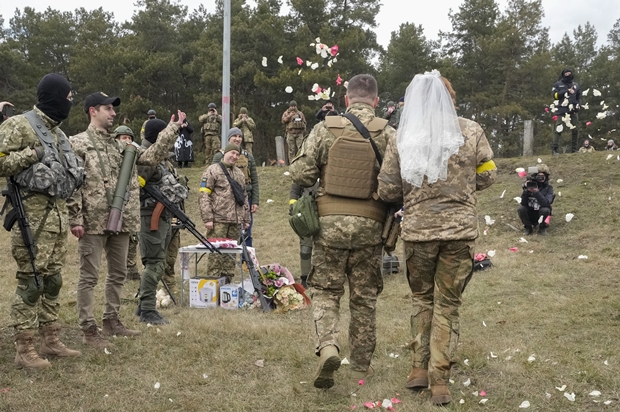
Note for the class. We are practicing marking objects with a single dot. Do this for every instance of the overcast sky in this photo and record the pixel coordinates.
(560, 15)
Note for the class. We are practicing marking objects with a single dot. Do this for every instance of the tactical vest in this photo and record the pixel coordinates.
(211, 125)
(296, 124)
(59, 173)
(349, 179)
(244, 164)
(169, 186)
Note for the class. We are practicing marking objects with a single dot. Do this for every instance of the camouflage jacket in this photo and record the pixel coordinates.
(294, 120)
(17, 139)
(250, 174)
(445, 210)
(89, 206)
(211, 124)
(341, 232)
(216, 199)
(246, 125)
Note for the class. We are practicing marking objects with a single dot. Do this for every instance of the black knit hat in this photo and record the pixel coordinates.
(152, 129)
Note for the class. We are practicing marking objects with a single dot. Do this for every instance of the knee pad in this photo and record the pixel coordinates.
(52, 285)
(305, 252)
(28, 291)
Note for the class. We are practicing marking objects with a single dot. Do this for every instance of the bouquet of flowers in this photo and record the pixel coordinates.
(274, 277)
(289, 298)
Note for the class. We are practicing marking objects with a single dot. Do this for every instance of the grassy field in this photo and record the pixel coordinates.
(541, 303)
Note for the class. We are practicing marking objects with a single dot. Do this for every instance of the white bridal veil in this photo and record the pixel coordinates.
(429, 132)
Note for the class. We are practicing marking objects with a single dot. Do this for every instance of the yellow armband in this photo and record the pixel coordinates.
(486, 166)
(290, 202)
(141, 181)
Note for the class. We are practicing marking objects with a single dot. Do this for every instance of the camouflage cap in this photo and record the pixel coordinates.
(231, 147)
(121, 130)
(543, 168)
(292, 103)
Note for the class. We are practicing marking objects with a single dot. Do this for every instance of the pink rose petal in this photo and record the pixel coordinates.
(339, 80)
(300, 61)
(360, 382)
(369, 405)
(547, 109)
(514, 249)
(395, 401)
(588, 123)
(483, 393)
(334, 50)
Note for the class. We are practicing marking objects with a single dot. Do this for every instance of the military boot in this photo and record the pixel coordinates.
(27, 356)
(418, 379)
(542, 230)
(114, 327)
(93, 338)
(357, 376)
(153, 317)
(440, 395)
(528, 230)
(329, 362)
(303, 281)
(51, 344)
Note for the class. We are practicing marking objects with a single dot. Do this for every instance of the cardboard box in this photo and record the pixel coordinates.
(230, 296)
(205, 292)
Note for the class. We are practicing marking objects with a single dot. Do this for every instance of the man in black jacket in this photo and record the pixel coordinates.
(326, 110)
(567, 100)
(536, 201)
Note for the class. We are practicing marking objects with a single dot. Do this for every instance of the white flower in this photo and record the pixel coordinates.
(288, 89)
(559, 128)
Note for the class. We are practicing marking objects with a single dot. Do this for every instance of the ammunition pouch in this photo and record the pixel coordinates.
(28, 291)
(391, 230)
(168, 185)
(59, 173)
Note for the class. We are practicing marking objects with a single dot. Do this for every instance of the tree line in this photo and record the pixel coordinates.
(501, 62)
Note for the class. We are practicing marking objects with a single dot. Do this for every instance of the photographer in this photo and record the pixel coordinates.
(536, 200)
(567, 95)
(328, 108)
(392, 114)
(7, 110)
(211, 132)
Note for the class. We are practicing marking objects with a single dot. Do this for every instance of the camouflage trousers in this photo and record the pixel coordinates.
(294, 139)
(132, 257)
(153, 246)
(248, 146)
(331, 268)
(222, 265)
(51, 253)
(437, 272)
(213, 143)
(171, 259)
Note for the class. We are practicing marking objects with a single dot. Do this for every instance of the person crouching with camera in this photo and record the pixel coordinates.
(536, 200)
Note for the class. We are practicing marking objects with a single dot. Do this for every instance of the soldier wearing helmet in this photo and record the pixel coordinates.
(536, 200)
(211, 131)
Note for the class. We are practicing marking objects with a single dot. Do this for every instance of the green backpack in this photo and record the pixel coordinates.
(304, 217)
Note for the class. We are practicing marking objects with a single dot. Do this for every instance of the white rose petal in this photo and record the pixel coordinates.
(561, 388)
(484, 324)
(269, 200)
(606, 363)
(585, 92)
(280, 60)
(518, 199)
(345, 361)
(315, 87)
(508, 357)
(607, 403)
(386, 403)
(205, 376)
(595, 393)
(594, 93)
(346, 84)
(106, 351)
(503, 193)
(451, 381)
(560, 181)
(539, 160)
(531, 358)
(609, 157)
(570, 396)
(157, 385)
(601, 115)
(582, 257)
(466, 362)
(493, 355)
(491, 253)
(462, 401)
(488, 220)
(170, 399)
(467, 382)
(287, 173)
(483, 401)
(524, 405)
(560, 194)
(522, 240)
(475, 393)
(299, 72)
(559, 128)
(264, 62)
(314, 66)
(547, 395)
(178, 333)
(260, 363)
(569, 217)
(288, 89)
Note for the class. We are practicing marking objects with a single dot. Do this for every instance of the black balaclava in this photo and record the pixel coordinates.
(567, 79)
(52, 93)
(152, 129)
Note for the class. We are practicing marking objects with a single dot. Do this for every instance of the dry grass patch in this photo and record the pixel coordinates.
(564, 311)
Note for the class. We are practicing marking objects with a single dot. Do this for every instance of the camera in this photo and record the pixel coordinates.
(211, 110)
(531, 184)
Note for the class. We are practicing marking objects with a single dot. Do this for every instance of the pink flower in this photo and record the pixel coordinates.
(547, 109)
(588, 123)
(300, 61)
(339, 80)
(278, 283)
(555, 118)
(334, 50)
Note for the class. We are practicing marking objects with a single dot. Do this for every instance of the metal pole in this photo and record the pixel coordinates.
(528, 138)
(226, 75)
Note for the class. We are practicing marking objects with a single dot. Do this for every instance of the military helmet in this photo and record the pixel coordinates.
(120, 130)
(151, 112)
(543, 168)
(292, 103)
(211, 106)
(391, 103)
(243, 110)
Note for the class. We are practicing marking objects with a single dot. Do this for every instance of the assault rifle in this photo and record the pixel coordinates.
(254, 274)
(18, 214)
(183, 220)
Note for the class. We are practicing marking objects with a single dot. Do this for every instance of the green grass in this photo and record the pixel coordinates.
(563, 310)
